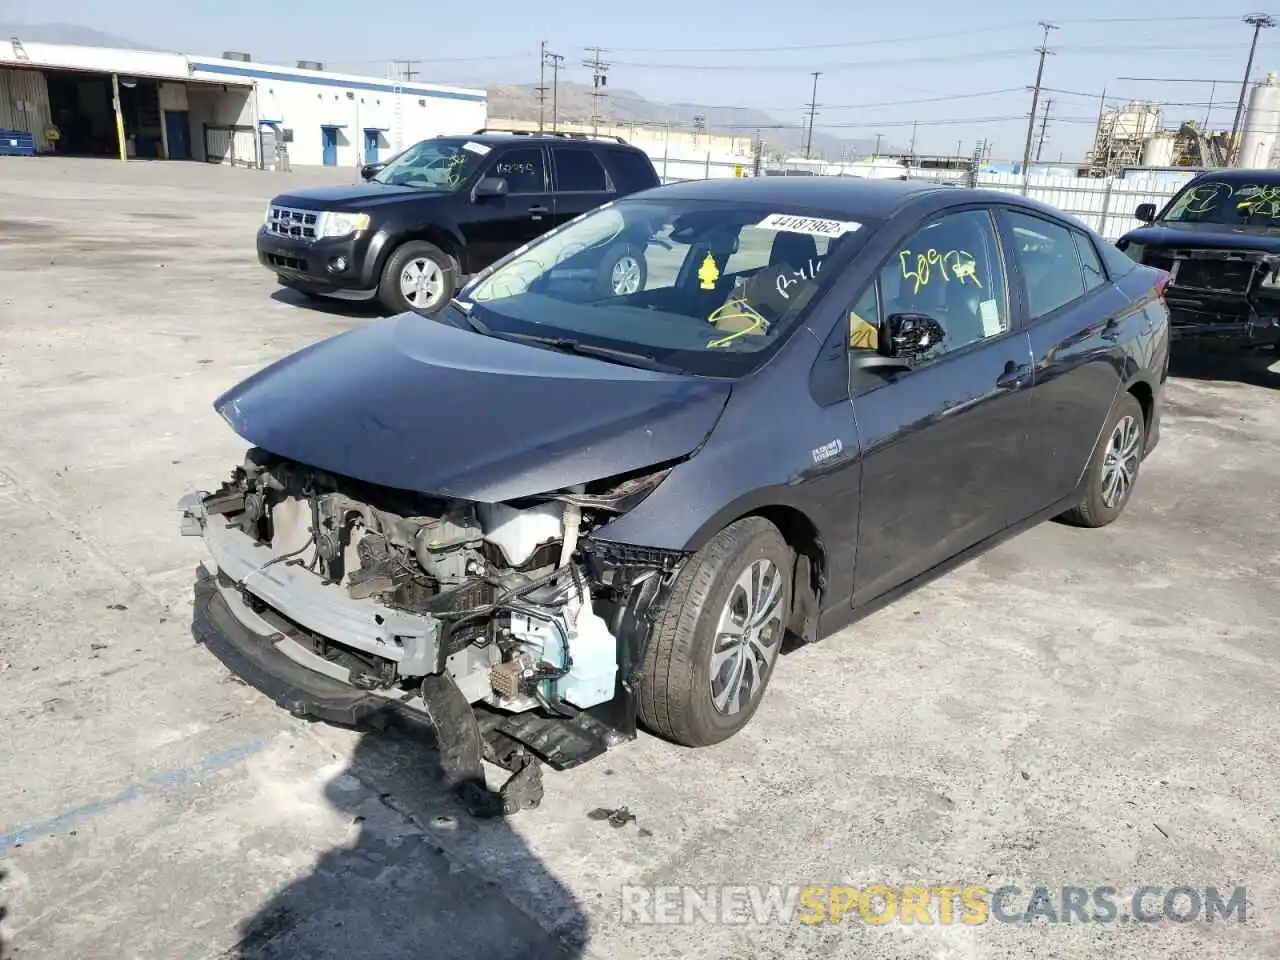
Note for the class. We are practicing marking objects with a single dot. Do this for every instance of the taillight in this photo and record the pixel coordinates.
(1162, 282)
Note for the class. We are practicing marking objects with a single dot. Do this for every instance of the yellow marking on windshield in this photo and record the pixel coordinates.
(1265, 202)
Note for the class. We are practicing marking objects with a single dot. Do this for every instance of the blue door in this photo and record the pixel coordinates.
(329, 139)
(371, 146)
(177, 130)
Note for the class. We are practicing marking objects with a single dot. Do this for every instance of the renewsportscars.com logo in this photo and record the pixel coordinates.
(968, 904)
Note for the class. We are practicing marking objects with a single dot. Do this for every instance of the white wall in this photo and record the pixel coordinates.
(139, 63)
(306, 100)
(1105, 204)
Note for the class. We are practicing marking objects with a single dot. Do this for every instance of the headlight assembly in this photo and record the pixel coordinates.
(342, 224)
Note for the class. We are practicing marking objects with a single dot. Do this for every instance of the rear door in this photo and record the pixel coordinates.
(1076, 319)
(579, 180)
(494, 226)
(945, 443)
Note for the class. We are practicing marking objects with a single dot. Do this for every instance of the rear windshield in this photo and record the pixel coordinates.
(1219, 201)
(708, 287)
(632, 171)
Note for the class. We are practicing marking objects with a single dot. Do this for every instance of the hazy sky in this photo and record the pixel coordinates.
(756, 53)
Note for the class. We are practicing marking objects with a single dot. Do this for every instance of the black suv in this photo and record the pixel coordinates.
(444, 209)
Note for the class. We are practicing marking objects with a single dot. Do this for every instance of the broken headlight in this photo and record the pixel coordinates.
(1270, 277)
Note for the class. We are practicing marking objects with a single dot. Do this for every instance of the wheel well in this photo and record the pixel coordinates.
(1142, 393)
(802, 537)
(436, 238)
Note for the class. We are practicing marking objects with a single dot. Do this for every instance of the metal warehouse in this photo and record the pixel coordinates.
(97, 101)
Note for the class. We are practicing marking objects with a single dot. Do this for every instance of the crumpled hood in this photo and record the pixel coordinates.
(416, 404)
(1207, 236)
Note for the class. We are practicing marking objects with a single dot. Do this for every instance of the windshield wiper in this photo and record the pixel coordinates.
(567, 345)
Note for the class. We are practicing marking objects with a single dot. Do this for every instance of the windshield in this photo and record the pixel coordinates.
(1240, 203)
(707, 287)
(442, 165)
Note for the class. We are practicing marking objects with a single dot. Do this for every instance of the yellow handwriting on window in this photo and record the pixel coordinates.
(1265, 202)
(920, 268)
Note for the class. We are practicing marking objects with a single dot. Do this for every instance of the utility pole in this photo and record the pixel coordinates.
(407, 71)
(912, 149)
(1257, 21)
(813, 112)
(1044, 126)
(542, 85)
(555, 59)
(879, 137)
(599, 79)
(1044, 51)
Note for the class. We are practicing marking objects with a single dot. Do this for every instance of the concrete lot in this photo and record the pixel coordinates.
(1076, 708)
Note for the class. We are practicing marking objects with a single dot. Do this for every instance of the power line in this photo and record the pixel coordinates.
(1044, 51)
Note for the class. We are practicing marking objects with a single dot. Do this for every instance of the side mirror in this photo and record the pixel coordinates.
(368, 171)
(908, 336)
(491, 187)
(1146, 212)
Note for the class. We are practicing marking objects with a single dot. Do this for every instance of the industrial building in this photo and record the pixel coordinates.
(98, 101)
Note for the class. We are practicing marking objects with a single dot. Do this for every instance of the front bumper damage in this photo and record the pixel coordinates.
(1229, 297)
(321, 654)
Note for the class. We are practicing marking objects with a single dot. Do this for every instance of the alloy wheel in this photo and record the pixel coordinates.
(1120, 463)
(747, 637)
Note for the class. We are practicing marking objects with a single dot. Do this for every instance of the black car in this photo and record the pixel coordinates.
(551, 512)
(445, 209)
(1218, 238)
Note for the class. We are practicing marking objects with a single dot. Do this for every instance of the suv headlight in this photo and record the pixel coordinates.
(342, 224)
(266, 216)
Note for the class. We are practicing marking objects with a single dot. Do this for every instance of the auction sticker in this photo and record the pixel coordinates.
(813, 226)
(479, 148)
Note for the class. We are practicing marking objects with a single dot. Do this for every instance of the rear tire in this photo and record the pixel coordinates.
(1113, 468)
(682, 697)
(398, 289)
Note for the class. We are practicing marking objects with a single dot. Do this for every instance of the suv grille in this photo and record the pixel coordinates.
(1230, 275)
(296, 224)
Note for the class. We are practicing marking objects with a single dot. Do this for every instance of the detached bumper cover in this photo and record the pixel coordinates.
(274, 664)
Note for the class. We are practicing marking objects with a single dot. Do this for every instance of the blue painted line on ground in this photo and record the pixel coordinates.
(154, 784)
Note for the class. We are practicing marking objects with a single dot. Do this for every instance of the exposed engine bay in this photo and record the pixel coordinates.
(505, 612)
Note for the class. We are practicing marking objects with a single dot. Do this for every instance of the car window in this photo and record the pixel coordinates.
(1050, 266)
(632, 170)
(1093, 275)
(578, 171)
(523, 170)
(951, 270)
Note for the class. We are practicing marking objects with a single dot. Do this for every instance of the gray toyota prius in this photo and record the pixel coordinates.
(636, 458)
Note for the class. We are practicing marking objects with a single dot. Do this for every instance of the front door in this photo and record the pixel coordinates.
(494, 226)
(579, 181)
(177, 131)
(371, 146)
(943, 444)
(329, 146)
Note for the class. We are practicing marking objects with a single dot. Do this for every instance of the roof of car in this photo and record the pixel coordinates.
(1236, 175)
(851, 195)
(493, 137)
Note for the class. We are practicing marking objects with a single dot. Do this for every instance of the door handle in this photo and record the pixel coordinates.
(1014, 376)
(536, 211)
(1111, 331)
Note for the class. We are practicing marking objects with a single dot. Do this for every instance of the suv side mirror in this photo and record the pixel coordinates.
(491, 187)
(1146, 212)
(368, 171)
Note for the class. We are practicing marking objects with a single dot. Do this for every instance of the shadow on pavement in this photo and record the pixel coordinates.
(1194, 363)
(366, 309)
(395, 893)
(6, 945)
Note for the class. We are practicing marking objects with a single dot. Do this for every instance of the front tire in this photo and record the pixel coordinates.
(1113, 468)
(418, 277)
(716, 640)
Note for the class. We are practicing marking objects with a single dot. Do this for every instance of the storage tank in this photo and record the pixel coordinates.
(1158, 150)
(1261, 124)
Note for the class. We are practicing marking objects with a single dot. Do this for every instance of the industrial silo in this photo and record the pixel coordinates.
(1158, 150)
(1261, 124)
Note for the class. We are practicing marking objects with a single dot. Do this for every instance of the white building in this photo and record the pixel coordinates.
(108, 102)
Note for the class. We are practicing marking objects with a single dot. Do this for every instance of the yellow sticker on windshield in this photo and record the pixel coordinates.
(709, 273)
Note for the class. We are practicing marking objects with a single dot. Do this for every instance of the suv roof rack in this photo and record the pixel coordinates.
(550, 133)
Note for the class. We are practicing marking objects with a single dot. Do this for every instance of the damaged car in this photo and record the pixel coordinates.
(1218, 239)
(560, 510)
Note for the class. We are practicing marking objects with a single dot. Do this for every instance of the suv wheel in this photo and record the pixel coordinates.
(418, 277)
(716, 640)
(623, 271)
